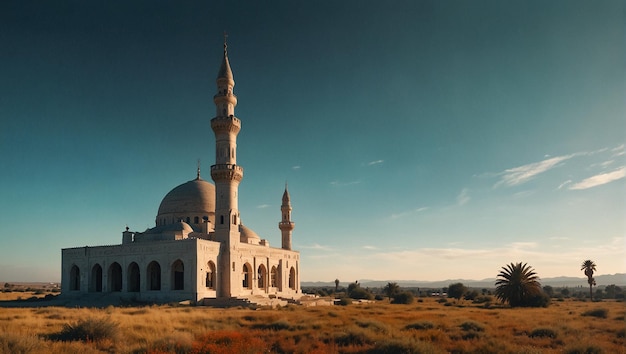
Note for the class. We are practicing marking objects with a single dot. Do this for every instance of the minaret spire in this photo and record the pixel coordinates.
(226, 174)
(286, 226)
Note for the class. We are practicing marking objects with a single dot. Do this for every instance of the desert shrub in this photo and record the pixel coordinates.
(420, 325)
(274, 326)
(344, 301)
(13, 343)
(447, 304)
(374, 326)
(403, 345)
(90, 329)
(471, 335)
(481, 299)
(583, 349)
(352, 338)
(378, 297)
(538, 300)
(471, 295)
(599, 312)
(404, 297)
(179, 343)
(472, 326)
(621, 333)
(543, 332)
(229, 342)
(442, 300)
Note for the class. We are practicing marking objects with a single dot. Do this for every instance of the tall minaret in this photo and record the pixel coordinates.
(226, 173)
(286, 225)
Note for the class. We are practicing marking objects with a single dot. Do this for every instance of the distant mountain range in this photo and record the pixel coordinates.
(557, 282)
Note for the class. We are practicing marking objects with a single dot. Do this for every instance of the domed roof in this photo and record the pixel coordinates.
(247, 234)
(194, 197)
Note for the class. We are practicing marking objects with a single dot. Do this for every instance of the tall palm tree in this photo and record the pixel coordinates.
(517, 284)
(589, 267)
(391, 289)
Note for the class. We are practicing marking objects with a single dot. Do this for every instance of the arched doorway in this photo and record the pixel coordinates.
(133, 278)
(262, 275)
(178, 275)
(274, 278)
(74, 278)
(292, 278)
(153, 274)
(210, 275)
(247, 276)
(95, 283)
(115, 277)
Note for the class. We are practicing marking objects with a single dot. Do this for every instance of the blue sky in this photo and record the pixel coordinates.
(424, 140)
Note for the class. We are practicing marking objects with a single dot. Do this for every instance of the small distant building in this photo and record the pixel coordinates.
(199, 248)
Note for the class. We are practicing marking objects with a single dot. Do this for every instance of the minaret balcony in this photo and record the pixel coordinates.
(226, 172)
(226, 124)
(286, 225)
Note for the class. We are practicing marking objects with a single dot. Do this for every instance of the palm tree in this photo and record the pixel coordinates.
(517, 284)
(589, 267)
(391, 289)
(336, 285)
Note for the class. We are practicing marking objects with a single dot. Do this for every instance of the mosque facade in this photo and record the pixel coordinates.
(199, 249)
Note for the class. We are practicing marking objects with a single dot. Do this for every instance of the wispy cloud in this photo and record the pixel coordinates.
(367, 247)
(564, 184)
(342, 184)
(372, 163)
(297, 167)
(263, 206)
(317, 246)
(619, 151)
(408, 212)
(522, 174)
(600, 179)
(463, 197)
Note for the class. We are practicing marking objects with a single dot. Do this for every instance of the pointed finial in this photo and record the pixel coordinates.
(225, 40)
(198, 172)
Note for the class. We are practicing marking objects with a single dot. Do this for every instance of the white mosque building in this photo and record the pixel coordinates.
(198, 249)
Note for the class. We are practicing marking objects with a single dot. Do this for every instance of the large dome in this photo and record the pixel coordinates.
(190, 202)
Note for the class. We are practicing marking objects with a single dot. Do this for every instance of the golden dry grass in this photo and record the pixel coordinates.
(421, 327)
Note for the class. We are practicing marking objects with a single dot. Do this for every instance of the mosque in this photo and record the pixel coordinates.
(198, 249)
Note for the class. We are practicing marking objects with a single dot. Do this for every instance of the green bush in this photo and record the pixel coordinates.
(344, 301)
(543, 332)
(404, 297)
(599, 312)
(90, 329)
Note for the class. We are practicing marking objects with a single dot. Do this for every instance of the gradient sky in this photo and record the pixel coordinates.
(424, 140)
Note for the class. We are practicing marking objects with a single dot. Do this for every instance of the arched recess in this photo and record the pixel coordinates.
(209, 282)
(274, 278)
(292, 278)
(153, 275)
(262, 277)
(74, 277)
(133, 280)
(95, 281)
(247, 276)
(178, 275)
(115, 277)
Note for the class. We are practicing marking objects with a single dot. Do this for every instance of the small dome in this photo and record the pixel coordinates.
(196, 197)
(247, 235)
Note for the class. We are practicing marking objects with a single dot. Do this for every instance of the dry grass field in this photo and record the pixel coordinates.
(422, 327)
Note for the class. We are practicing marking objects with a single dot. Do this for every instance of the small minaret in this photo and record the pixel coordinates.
(286, 225)
(226, 174)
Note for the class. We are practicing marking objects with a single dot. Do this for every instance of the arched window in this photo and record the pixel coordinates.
(115, 277)
(262, 275)
(210, 275)
(196, 220)
(178, 275)
(95, 282)
(274, 278)
(153, 275)
(133, 278)
(247, 276)
(292, 278)
(74, 278)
